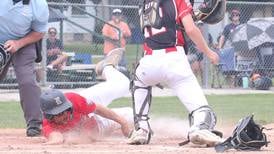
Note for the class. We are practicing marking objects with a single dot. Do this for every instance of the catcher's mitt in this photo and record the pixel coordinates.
(247, 136)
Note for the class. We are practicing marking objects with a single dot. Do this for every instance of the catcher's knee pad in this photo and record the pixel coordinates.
(202, 118)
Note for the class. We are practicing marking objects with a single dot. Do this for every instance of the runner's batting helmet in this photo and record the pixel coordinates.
(211, 11)
(4, 57)
(54, 102)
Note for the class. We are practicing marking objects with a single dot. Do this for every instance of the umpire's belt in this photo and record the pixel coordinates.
(149, 51)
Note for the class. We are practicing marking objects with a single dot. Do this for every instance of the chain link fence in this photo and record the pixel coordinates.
(247, 53)
(246, 48)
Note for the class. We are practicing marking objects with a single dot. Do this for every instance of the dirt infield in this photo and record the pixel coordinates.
(163, 141)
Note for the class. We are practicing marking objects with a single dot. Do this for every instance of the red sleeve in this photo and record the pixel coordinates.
(184, 8)
(80, 104)
(87, 108)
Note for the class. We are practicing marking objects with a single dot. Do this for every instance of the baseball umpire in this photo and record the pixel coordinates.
(85, 111)
(23, 22)
(165, 62)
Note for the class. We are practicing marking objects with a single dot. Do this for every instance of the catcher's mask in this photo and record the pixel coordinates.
(4, 57)
(54, 102)
(211, 11)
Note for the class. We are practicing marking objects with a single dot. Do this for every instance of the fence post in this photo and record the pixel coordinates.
(205, 61)
(44, 62)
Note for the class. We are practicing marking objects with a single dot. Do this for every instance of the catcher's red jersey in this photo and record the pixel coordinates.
(79, 120)
(169, 35)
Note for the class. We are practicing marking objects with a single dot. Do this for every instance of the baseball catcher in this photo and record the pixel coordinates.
(85, 113)
(246, 136)
(165, 63)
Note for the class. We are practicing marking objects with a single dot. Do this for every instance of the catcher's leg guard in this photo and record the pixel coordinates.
(142, 132)
(202, 123)
(202, 118)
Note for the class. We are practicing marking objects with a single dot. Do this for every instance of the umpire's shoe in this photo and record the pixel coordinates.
(204, 137)
(33, 130)
(140, 136)
(112, 58)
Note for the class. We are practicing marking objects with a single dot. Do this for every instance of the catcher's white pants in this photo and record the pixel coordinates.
(115, 86)
(171, 70)
(107, 126)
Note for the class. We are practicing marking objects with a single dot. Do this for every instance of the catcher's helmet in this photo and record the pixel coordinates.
(211, 11)
(53, 102)
(4, 57)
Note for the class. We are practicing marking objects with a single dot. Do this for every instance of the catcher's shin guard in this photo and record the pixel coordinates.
(202, 122)
(202, 118)
(141, 135)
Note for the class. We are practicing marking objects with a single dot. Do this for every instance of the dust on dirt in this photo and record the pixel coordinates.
(168, 132)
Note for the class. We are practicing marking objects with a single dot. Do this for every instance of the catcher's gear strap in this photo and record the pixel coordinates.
(140, 116)
(149, 14)
(246, 136)
(209, 117)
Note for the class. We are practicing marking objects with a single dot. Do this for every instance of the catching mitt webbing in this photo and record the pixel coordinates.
(246, 136)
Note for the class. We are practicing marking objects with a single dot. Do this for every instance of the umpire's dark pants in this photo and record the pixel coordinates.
(24, 65)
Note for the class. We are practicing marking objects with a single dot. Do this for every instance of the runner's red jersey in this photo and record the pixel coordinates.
(79, 120)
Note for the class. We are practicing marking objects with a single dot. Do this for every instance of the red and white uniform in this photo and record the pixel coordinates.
(80, 113)
(115, 86)
(165, 61)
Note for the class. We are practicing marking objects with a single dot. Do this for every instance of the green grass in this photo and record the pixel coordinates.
(11, 115)
(229, 108)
